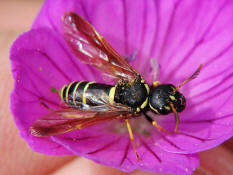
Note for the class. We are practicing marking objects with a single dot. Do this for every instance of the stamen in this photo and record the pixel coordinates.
(132, 57)
(155, 68)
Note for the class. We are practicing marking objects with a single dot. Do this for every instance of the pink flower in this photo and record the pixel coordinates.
(179, 35)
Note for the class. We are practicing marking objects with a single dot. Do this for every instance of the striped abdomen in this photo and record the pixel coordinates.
(78, 93)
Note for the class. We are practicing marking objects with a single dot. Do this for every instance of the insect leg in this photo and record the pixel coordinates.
(131, 137)
(154, 123)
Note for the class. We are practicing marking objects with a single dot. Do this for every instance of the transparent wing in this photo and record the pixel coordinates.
(66, 120)
(97, 101)
(91, 48)
(99, 109)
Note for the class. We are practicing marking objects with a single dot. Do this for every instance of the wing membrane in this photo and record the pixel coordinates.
(99, 102)
(62, 121)
(79, 116)
(91, 48)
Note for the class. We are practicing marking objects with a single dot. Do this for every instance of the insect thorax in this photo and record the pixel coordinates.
(133, 94)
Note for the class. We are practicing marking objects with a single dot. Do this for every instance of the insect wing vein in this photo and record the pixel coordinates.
(91, 48)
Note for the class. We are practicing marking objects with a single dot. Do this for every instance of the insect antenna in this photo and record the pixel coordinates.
(194, 75)
(177, 118)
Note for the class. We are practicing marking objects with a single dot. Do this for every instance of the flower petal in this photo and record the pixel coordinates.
(116, 151)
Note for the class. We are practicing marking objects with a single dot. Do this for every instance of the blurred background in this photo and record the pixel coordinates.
(16, 157)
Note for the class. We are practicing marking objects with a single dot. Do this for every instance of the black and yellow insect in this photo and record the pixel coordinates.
(134, 96)
(88, 103)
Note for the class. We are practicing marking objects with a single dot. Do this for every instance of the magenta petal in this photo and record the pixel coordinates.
(197, 136)
(115, 151)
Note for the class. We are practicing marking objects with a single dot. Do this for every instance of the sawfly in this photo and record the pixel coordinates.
(89, 103)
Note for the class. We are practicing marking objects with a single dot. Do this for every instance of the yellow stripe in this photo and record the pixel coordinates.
(147, 88)
(61, 93)
(172, 97)
(74, 93)
(153, 109)
(112, 94)
(167, 108)
(156, 83)
(84, 91)
(144, 104)
(67, 91)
